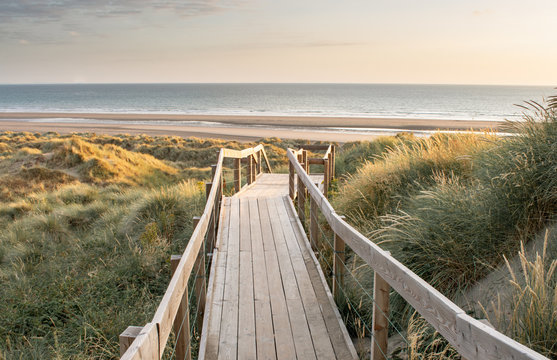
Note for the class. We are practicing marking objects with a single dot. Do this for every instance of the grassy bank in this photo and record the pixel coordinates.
(88, 223)
(450, 207)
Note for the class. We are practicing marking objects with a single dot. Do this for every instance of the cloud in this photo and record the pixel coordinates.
(50, 22)
(48, 11)
(23, 42)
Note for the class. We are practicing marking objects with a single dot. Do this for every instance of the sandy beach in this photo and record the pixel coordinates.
(242, 128)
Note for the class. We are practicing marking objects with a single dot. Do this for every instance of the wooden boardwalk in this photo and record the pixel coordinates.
(273, 185)
(267, 297)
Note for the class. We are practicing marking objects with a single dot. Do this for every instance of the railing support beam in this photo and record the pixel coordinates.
(338, 266)
(127, 337)
(291, 185)
(380, 336)
(211, 230)
(301, 197)
(237, 175)
(181, 323)
(200, 281)
(249, 171)
(313, 225)
(326, 178)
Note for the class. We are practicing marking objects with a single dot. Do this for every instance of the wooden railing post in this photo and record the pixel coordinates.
(326, 178)
(291, 189)
(379, 338)
(181, 323)
(301, 200)
(259, 158)
(332, 162)
(338, 265)
(200, 280)
(253, 168)
(305, 161)
(127, 337)
(219, 193)
(211, 228)
(331, 166)
(313, 225)
(237, 175)
(249, 172)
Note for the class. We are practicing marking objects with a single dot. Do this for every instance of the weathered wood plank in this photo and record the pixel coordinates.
(300, 329)
(321, 341)
(263, 319)
(128, 337)
(380, 327)
(246, 312)
(145, 345)
(214, 305)
(245, 236)
(283, 338)
(228, 341)
(340, 339)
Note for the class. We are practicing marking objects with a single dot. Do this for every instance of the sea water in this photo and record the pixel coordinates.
(455, 102)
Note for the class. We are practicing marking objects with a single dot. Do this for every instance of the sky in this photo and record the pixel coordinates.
(289, 41)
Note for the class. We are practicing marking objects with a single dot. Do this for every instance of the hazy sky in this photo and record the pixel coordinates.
(349, 41)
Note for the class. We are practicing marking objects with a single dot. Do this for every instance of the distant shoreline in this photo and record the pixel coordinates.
(270, 120)
(233, 127)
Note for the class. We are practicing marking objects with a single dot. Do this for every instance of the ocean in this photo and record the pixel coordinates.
(458, 102)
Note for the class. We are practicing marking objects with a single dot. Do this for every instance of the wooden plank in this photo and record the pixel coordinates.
(280, 320)
(338, 334)
(267, 161)
(181, 325)
(300, 329)
(246, 320)
(380, 328)
(266, 230)
(316, 161)
(237, 175)
(291, 184)
(228, 341)
(313, 225)
(145, 345)
(245, 236)
(321, 342)
(480, 341)
(263, 320)
(315, 146)
(246, 312)
(338, 265)
(215, 301)
(301, 197)
(127, 337)
(326, 178)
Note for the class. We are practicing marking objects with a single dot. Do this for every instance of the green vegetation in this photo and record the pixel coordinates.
(88, 224)
(450, 207)
(530, 314)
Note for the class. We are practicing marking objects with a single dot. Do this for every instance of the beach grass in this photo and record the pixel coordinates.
(451, 207)
(88, 223)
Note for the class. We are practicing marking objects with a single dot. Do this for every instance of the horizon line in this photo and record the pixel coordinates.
(275, 83)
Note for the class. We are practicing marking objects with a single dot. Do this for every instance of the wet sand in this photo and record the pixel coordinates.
(242, 128)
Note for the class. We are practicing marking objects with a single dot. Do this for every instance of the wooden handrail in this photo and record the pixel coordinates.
(151, 340)
(470, 337)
